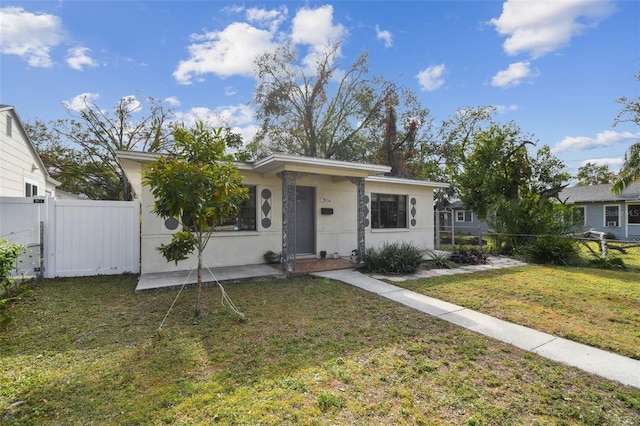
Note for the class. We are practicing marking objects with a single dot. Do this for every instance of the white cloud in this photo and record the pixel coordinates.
(270, 19)
(236, 114)
(230, 91)
(232, 50)
(224, 53)
(503, 109)
(603, 139)
(617, 161)
(514, 75)
(172, 101)
(133, 103)
(233, 9)
(431, 78)
(385, 36)
(315, 26)
(80, 102)
(238, 117)
(541, 27)
(29, 35)
(230, 115)
(77, 58)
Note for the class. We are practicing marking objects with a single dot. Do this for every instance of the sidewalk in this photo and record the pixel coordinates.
(592, 360)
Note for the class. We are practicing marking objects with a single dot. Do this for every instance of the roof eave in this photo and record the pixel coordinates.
(395, 180)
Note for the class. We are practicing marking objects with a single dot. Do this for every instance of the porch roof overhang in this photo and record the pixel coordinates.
(276, 163)
(148, 157)
(394, 180)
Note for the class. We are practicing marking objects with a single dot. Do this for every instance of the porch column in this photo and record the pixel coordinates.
(288, 221)
(362, 212)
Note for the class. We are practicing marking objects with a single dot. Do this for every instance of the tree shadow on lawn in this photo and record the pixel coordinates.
(310, 351)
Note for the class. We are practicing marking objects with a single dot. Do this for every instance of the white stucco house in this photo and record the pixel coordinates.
(22, 173)
(301, 207)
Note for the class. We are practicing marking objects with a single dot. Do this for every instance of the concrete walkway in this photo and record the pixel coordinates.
(176, 279)
(592, 360)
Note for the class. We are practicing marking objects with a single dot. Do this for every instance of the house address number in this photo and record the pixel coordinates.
(325, 200)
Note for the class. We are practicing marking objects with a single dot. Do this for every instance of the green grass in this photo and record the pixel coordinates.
(631, 256)
(312, 352)
(597, 307)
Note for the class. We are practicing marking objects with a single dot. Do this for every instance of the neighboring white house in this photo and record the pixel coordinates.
(300, 206)
(22, 173)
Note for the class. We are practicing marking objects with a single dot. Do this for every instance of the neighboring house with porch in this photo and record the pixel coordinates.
(300, 206)
(22, 172)
(602, 210)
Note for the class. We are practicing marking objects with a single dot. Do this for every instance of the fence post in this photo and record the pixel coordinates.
(453, 231)
(41, 274)
(49, 239)
(437, 244)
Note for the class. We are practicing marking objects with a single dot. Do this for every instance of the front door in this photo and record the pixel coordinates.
(305, 220)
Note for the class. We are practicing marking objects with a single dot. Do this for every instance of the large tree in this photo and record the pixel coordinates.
(400, 134)
(593, 174)
(78, 172)
(444, 154)
(630, 171)
(316, 110)
(81, 150)
(511, 188)
(198, 185)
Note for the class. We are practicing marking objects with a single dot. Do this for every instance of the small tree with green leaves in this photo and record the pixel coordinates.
(198, 184)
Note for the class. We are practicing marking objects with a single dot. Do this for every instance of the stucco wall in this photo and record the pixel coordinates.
(422, 233)
(335, 233)
(225, 248)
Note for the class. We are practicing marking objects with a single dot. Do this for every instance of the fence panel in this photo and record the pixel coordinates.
(93, 238)
(21, 222)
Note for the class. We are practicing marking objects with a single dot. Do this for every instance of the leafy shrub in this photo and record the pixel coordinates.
(439, 260)
(608, 263)
(393, 258)
(551, 250)
(10, 291)
(468, 257)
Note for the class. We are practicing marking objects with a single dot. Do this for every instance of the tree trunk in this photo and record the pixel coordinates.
(199, 289)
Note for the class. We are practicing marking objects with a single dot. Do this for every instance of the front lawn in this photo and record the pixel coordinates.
(597, 307)
(86, 351)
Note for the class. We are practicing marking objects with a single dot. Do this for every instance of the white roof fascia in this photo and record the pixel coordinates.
(394, 180)
(277, 161)
(147, 157)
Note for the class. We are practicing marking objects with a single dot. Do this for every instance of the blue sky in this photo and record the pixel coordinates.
(556, 68)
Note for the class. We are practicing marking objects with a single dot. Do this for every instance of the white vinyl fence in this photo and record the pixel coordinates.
(67, 238)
